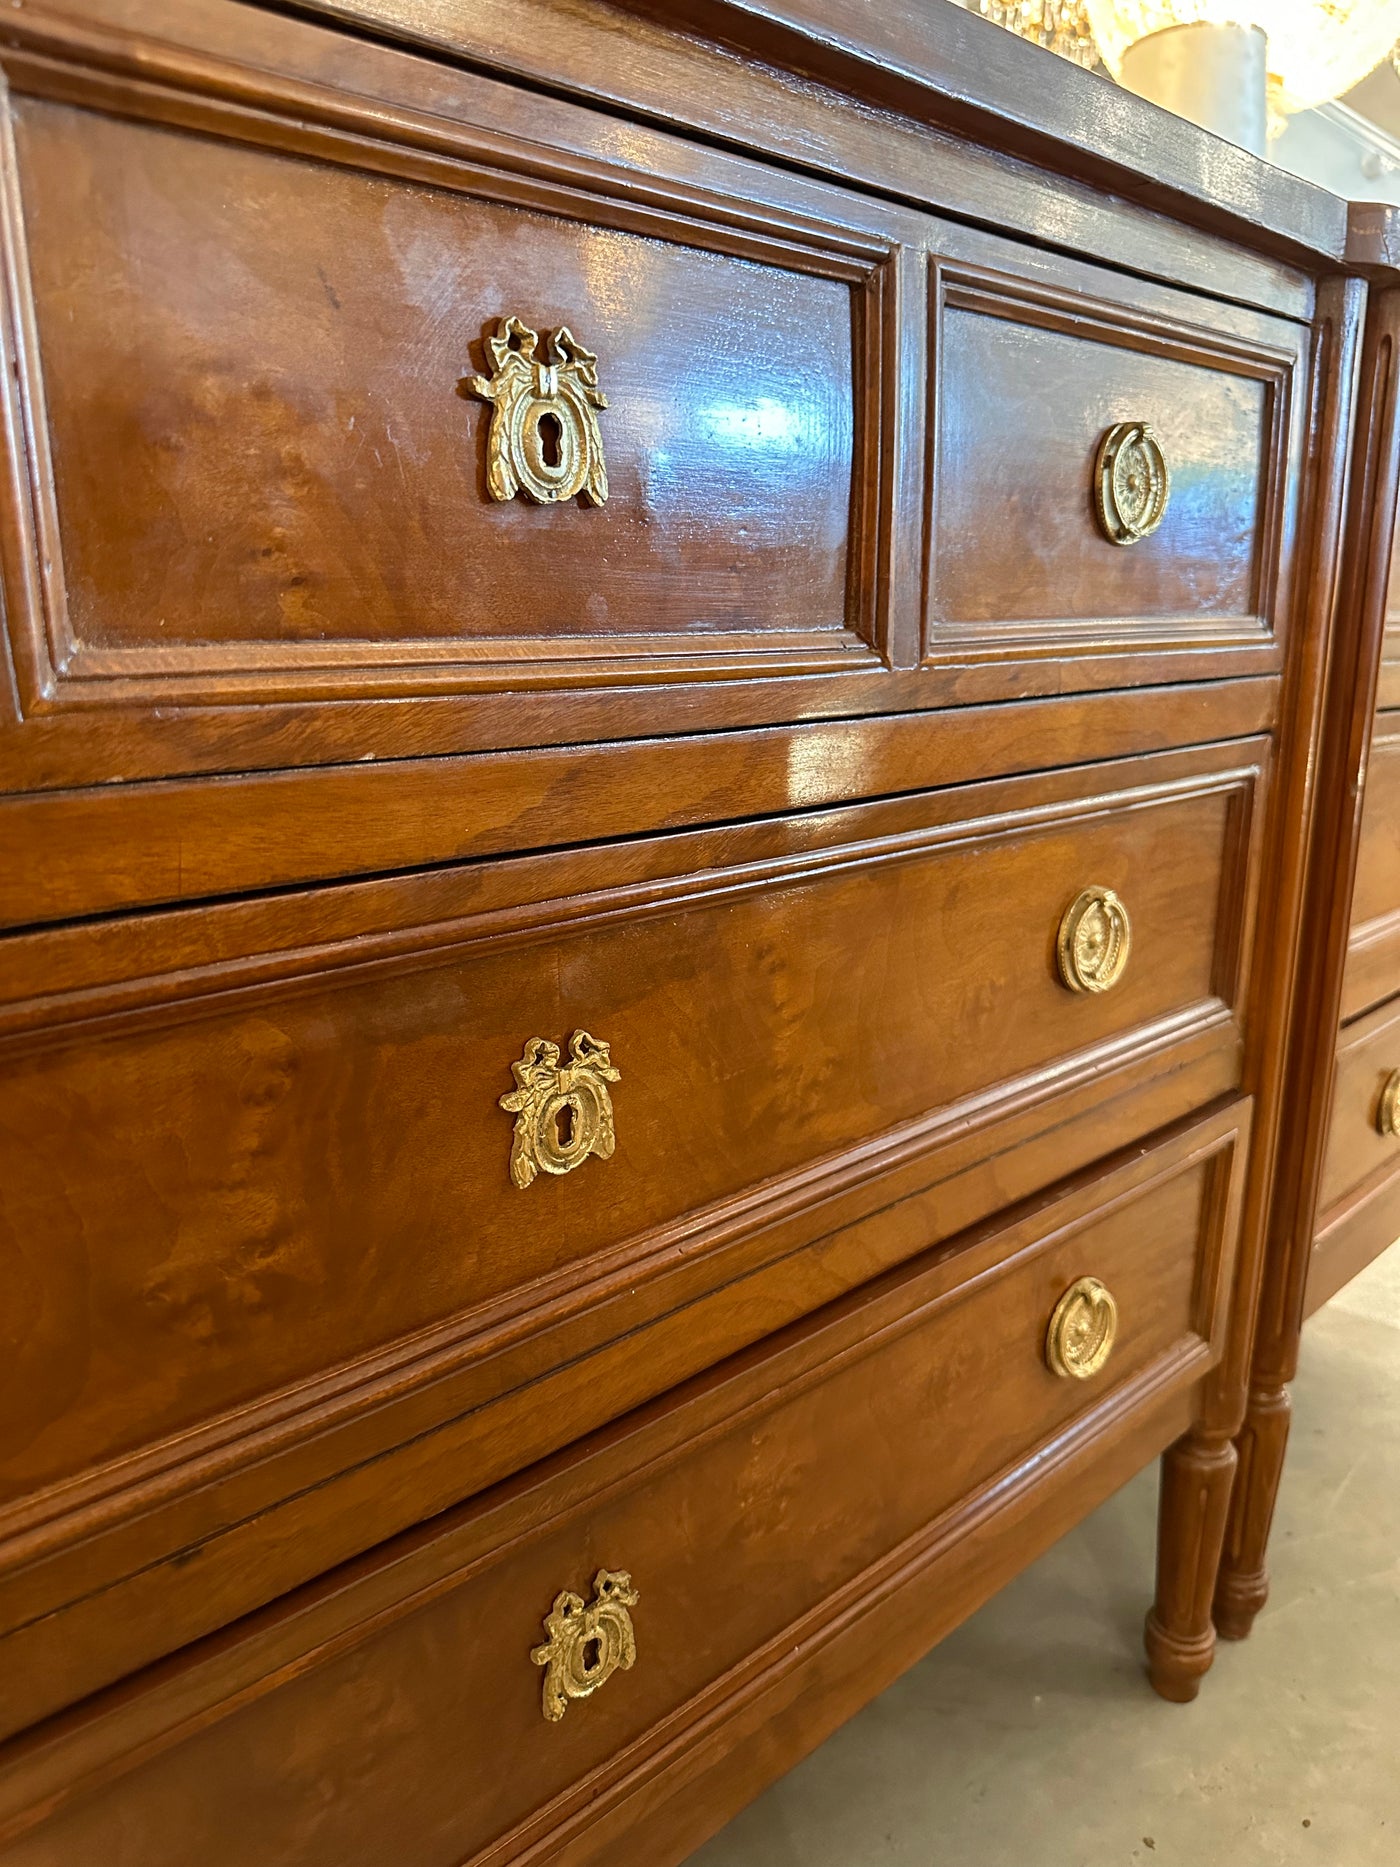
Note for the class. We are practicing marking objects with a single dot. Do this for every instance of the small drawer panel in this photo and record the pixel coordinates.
(1363, 1142)
(1359, 1204)
(733, 1525)
(1098, 469)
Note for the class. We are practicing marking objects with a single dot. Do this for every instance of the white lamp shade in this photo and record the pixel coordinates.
(1317, 49)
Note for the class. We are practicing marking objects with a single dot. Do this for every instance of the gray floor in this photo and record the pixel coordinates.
(1030, 1738)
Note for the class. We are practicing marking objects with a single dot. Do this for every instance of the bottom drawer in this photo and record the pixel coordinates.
(761, 1515)
(1359, 1200)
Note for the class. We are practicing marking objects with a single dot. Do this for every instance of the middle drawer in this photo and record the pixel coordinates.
(304, 1235)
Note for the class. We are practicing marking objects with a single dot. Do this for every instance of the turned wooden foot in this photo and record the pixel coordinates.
(1195, 1502)
(1243, 1584)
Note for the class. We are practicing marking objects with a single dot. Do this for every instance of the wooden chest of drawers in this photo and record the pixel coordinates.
(1336, 1201)
(654, 809)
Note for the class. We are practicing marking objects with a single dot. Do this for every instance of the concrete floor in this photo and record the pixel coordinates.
(1029, 1738)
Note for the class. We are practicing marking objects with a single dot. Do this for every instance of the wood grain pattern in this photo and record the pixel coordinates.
(362, 601)
(946, 72)
(139, 845)
(290, 1213)
(327, 783)
(819, 1435)
(1026, 383)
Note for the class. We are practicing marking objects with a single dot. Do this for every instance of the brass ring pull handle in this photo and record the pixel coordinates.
(1388, 1114)
(1082, 1328)
(544, 395)
(1094, 940)
(563, 1111)
(1132, 482)
(588, 1641)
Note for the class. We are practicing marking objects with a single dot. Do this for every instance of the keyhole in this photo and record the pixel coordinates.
(564, 1126)
(551, 440)
(592, 1654)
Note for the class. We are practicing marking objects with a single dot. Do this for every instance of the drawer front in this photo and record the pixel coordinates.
(1388, 684)
(742, 1522)
(1359, 1203)
(436, 1138)
(1362, 1143)
(1137, 471)
(1373, 955)
(399, 387)
(353, 437)
(1377, 893)
(275, 510)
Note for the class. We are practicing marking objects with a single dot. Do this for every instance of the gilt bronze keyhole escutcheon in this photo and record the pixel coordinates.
(1132, 482)
(563, 1111)
(1093, 942)
(544, 439)
(588, 1641)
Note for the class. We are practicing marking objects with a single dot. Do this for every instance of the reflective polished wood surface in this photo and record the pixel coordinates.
(665, 733)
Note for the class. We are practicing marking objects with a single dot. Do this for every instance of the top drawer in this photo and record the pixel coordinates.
(1373, 957)
(351, 379)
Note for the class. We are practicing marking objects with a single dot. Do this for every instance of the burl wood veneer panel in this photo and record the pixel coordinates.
(756, 1514)
(259, 1179)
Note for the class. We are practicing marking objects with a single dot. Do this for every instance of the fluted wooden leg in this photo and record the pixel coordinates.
(1195, 1502)
(1243, 1585)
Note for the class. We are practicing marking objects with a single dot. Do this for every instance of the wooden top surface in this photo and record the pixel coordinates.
(932, 60)
(925, 60)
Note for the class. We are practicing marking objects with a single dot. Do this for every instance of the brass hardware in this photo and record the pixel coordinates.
(1132, 482)
(1388, 1114)
(526, 393)
(563, 1113)
(1080, 1337)
(588, 1641)
(1094, 941)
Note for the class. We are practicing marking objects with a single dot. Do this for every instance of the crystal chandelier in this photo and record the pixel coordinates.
(1059, 25)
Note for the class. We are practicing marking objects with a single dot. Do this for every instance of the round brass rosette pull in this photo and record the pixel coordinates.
(1080, 1337)
(1388, 1114)
(1094, 941)
(1132, 482)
